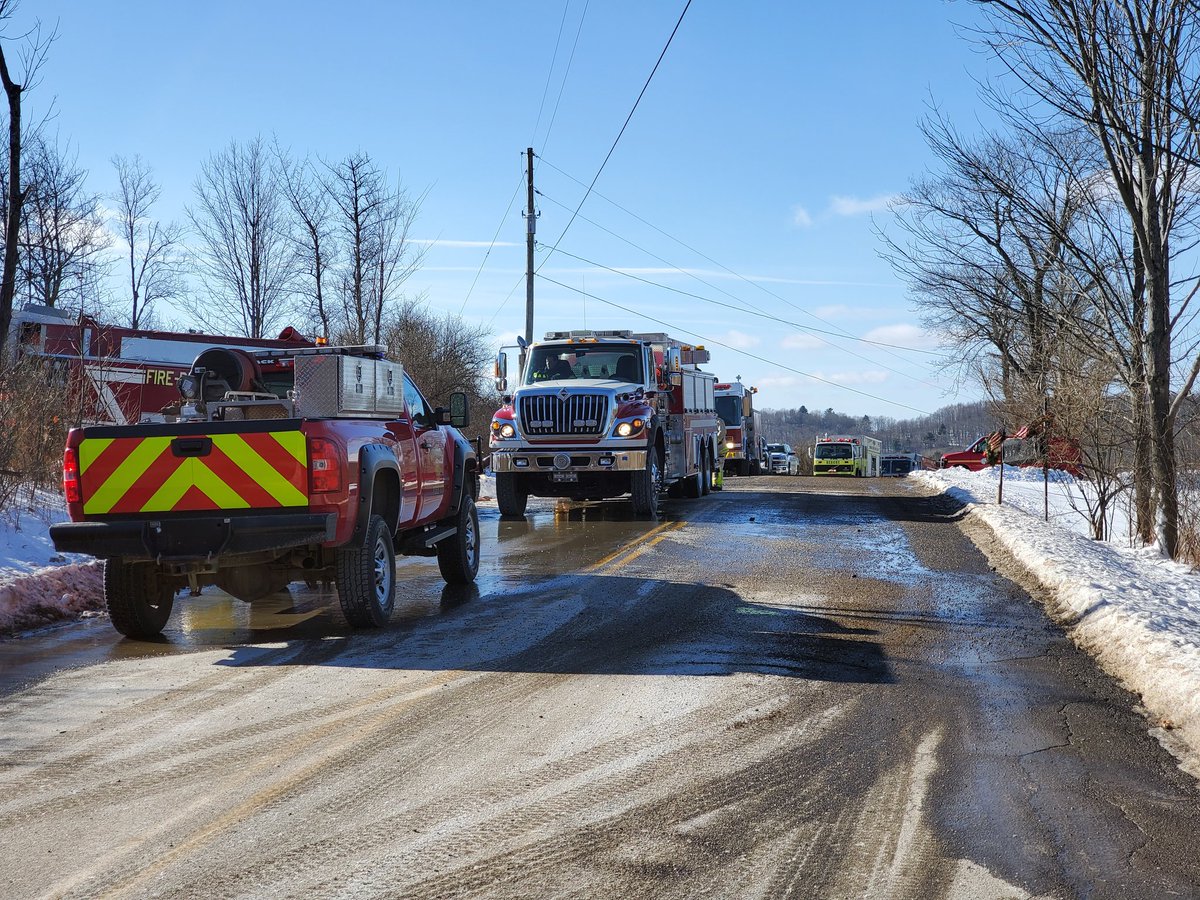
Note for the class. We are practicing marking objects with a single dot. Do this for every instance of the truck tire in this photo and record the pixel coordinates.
(511, 495)
(366, 577)
(458, 556)
(743, 467)
(693, 486)
(645, 484)
(138, 602)
(706, 474)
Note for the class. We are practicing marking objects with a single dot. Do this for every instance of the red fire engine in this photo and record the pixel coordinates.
(122, 376)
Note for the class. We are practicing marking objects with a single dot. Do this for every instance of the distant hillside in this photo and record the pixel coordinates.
(954, 426)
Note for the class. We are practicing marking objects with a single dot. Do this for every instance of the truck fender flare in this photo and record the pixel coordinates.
(466, 473)
(374, 459)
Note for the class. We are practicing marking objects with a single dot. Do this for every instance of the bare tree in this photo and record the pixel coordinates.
(62, 238)
(245, 261)
(1124, 69)
(152, 247)
(34, 47)
(374, 220)
(312, 234)
(444, 353)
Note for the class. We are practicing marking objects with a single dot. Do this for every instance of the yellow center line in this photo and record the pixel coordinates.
(636, 548)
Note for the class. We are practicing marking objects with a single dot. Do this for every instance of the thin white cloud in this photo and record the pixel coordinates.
(870, 376)
(904, 334)
(739, 340)
(801, 342)
(801, 218)
(834, 312)
(854, 206)
(441, 242)
(780, 382)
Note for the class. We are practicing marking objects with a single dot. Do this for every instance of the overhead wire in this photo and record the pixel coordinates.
(752, 310)
(753, 313)
(550, 73)
(617, 140)
(706, 340)
(566, 74)
(699, 253)
(495, 237)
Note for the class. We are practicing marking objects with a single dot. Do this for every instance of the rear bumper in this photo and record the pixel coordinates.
(192, 538)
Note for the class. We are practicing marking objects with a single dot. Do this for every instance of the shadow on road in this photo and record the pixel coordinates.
(600, 625)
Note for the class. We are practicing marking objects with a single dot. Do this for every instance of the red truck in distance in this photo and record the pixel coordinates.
(1063, 454)
(314, 464)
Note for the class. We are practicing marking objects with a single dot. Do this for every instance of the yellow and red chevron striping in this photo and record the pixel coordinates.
(233, 471)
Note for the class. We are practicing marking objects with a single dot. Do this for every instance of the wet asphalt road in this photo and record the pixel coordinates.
(793, 688)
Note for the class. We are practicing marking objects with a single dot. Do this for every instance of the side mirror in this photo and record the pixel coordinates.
(460, 416)
(810, 452)
(502, 371)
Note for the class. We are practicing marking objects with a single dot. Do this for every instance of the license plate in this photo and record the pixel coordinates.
(564, 476)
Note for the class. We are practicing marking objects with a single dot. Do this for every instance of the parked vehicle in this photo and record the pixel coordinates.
(600, 414)
(120, 375)
(783, 459)
(855, 455)
(898, 465)
(321, 471)
(745, 450)
(1026, 452)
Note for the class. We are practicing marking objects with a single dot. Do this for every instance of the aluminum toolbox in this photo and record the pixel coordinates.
(330, 385)
(389, 388)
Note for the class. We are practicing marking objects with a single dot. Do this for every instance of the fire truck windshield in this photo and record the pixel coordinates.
(730, 410)
(834, 451)
(612, 362)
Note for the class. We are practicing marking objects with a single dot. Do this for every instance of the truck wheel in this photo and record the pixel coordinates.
(511, 495)
(743, 467)
(138, 602)
(693, 487)
(458, 557)
(645, 484)
(706, 474)
(366, 577)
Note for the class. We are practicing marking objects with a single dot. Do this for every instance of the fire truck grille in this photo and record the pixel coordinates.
(545, 414)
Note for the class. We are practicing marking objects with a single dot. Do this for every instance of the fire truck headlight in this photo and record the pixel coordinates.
(630, 428)
(625, 429)
(729, 445)
(503, 430)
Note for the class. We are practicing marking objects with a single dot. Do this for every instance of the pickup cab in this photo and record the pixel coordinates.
(317, 464)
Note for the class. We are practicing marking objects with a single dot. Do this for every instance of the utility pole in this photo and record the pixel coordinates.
(530, 239)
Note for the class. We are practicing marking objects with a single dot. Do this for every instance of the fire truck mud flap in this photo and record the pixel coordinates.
(192, 538)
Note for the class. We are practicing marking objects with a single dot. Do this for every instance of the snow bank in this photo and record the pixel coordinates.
(1137, 613)
(50, 595)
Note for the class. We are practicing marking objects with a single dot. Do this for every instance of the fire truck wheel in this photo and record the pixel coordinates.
(511, 495)
(706, 474)
(694, 486)
(366, 577)
(458, 557)
(139, 604)
(645, 485)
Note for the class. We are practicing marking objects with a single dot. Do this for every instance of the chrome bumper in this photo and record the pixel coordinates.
(568, 460)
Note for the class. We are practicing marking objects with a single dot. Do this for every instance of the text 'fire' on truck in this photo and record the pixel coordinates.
(745, 450)
(118, 375)
(844, 454)
(599, 414)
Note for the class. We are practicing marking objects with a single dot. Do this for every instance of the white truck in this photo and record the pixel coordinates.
(599, 414)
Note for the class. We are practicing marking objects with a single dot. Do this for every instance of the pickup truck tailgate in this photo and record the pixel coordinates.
(192, 468)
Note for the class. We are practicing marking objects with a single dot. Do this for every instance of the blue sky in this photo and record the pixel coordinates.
(769, 140)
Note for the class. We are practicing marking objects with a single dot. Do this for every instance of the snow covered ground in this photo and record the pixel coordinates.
(1137, 613)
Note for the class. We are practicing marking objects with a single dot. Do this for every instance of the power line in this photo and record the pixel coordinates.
(495, 237)
(754, 356)
(753, 310)
(566, 74)
(550, 72)
(692, 249)
(629, 117)
(760, 314)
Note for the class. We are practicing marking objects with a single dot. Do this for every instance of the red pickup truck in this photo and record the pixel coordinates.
(1063, 454)
(315, 464)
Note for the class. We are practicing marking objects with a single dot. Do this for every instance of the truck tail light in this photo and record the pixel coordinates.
(325, 466)
(72, 488)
